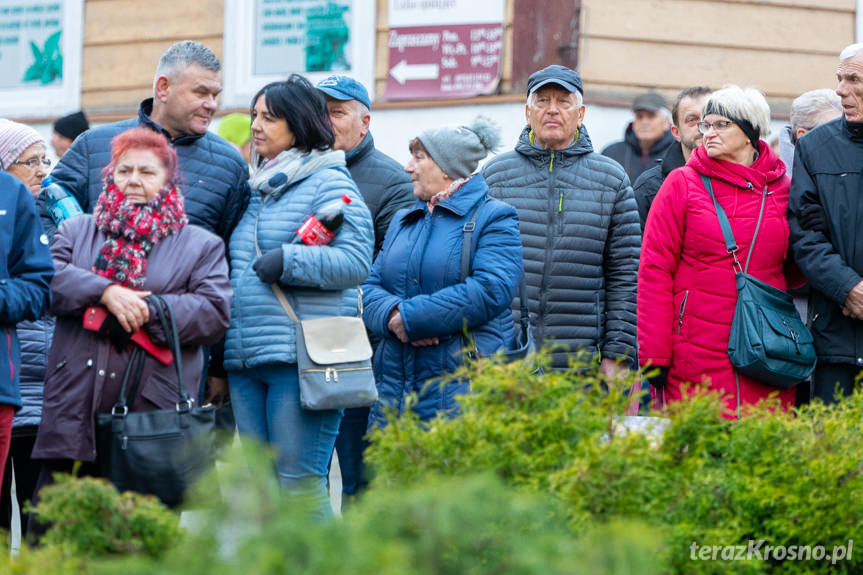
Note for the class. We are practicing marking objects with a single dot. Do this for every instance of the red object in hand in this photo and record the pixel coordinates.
(319, 229)
(94, 316)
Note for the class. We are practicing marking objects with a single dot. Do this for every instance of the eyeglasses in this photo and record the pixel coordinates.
(32, 163)
(718, 125)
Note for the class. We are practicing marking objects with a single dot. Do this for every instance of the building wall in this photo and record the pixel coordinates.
(623, 47)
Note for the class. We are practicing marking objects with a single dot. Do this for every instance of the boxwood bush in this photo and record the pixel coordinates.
(776, 479)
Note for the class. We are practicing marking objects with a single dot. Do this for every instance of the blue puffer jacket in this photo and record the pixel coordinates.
(26, 269)
(261, 333)
(214, 176)
(35, 340)
(419, 270)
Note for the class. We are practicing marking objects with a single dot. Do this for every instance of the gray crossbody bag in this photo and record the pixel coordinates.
(334, 357)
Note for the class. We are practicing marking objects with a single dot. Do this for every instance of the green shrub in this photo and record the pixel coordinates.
(468, 526)
(789, 479)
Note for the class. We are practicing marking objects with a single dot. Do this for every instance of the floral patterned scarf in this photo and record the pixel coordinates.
(132, 230)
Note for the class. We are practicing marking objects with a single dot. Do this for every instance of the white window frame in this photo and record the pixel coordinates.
(50, 101)
(240, 83)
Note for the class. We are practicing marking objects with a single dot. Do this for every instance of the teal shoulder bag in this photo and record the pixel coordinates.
(768, 342)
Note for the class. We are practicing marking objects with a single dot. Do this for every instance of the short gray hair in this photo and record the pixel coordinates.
(362, 109)
(579, 100)
(183, 54)
(850, 51)
(809, 108)
(748, 104)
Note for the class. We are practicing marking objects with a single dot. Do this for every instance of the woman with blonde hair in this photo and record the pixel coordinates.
(686, 279)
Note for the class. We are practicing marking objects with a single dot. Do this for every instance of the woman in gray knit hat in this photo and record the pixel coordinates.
(446, 275)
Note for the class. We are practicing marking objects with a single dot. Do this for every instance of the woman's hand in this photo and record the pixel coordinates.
(397, 326)
(127, 305)
(427, 342)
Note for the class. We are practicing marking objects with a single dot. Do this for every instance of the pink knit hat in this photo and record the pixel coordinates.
(14, 139)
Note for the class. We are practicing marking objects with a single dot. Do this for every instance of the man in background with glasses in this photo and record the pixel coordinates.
(685, 116)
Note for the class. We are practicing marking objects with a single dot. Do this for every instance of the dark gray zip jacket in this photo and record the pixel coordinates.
(581, 237)
(827, 172)
(383, 184)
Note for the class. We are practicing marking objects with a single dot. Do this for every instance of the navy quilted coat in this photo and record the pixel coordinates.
(419, 269)
(214, 176)
(25, 274)
(581, 236)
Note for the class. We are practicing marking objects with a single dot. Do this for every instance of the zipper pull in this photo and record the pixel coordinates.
(327, 375)
(335, 375)
(124, 443)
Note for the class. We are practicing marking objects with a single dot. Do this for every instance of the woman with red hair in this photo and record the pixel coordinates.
(137, 242)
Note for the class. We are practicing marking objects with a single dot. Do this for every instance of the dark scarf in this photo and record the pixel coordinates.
(132, 230)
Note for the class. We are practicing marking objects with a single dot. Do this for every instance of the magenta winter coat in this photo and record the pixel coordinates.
(85, 372)
(686, 284)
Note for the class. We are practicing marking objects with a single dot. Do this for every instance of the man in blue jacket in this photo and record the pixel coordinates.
(214, 175)
(825, 217)
(26, 269)
(386, 189)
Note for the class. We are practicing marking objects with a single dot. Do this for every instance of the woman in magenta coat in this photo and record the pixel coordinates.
(686, 284)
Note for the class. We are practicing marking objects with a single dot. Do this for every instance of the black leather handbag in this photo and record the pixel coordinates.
(159, 452)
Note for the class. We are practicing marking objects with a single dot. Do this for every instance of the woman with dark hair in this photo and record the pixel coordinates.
(294, 174)
(421, 299)
(687, 290)
(136, 242)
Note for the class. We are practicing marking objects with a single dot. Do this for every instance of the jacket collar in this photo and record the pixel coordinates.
(460, 203)
(672, 159)
(367, 145)
(854, 130)
(578, 148)
(144, 111)
(767, 168)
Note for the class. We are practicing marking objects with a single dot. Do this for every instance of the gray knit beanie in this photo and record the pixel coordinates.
(457, 150)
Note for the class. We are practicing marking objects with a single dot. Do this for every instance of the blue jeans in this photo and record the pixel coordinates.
(266, 403)
(351, 445)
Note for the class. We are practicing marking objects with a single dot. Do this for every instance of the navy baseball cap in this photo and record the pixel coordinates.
(344, 88)
(555, 74)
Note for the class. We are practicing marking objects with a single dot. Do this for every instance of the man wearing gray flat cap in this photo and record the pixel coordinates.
(579, 226)
(647, 137)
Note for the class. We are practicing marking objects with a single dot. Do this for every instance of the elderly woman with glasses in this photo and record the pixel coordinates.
(686, 283)
(22, 153)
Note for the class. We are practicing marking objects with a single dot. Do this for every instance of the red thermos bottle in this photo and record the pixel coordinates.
(320, 228)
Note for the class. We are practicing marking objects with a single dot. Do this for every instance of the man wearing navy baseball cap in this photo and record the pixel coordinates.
(386, 188)
(579, 226)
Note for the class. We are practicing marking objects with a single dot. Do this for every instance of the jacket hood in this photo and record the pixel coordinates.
(767, 168)
(581, 146)
(144, 111)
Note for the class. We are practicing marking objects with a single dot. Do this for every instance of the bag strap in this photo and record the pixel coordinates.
(135, 367)
(467, 257)
(280, 294)
(728, 236)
